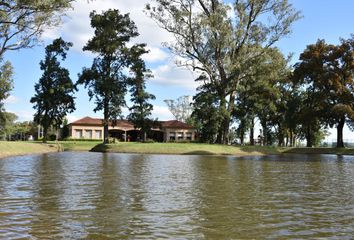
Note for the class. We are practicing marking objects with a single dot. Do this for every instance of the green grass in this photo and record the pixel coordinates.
(21, 148)
(78, 145)
(322, 150)
(184, 148)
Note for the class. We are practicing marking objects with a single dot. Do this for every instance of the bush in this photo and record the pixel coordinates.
(52, 137)
(82, 139)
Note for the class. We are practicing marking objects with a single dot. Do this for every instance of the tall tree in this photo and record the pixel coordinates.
(106, 80)
(7, 121)
(222, 40)
(206, 113)
(181, 108)
(54, 91)
(23, 21)
(327, 72)
(141, 109)
(6, 84)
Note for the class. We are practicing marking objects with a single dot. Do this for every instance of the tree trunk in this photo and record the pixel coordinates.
(291, 138)
(222, 110)
(45, 134)
(287, 140)
(308, 137)
(264, 129)
(227, 119)
(144, 136)
(252, 132)
(242, 136)
(340, 125)
(105, 123)
(280, 136)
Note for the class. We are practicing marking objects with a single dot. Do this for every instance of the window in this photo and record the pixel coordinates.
(78, 133)
(189, 136)
(98, 134)
(180, 136)
(88, 134)
(172, 136)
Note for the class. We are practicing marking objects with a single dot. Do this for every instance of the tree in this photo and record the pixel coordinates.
(181, 108)
(141, 110)
(6, 84)
(260, 95)
(54, 91)
(327, 72)
(7, 121)
(106, 80)
(222, 41)
(206, 113)
(23, 21)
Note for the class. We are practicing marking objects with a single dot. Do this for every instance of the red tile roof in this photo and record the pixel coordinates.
(88, 121)
(175, 124)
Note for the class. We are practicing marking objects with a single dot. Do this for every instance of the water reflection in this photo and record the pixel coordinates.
(119, 196)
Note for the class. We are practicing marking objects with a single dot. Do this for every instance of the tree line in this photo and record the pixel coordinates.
(117, 67)
(243, 77)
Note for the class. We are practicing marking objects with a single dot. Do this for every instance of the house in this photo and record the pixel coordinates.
(92, 128)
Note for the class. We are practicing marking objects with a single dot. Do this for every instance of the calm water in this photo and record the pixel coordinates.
(115, 196)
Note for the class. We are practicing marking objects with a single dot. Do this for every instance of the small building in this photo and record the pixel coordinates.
(123, 130)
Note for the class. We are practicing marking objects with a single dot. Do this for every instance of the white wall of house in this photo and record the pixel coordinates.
(86, 132)
(96, 132)
(177, 134)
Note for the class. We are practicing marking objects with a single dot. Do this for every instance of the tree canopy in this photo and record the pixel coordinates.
(53, 97)
(107, 79)
(222, 41)
(23, 21)
(327, 71)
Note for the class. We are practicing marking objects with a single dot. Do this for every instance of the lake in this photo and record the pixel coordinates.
(125, 196)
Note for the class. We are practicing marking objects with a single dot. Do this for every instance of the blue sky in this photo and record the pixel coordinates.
(324, 19)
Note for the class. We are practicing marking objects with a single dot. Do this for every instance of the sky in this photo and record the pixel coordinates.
(321, 19)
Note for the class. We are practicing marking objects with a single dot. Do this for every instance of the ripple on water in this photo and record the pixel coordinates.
(120, 196)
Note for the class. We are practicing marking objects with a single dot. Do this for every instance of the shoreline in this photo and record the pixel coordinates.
(9, 149)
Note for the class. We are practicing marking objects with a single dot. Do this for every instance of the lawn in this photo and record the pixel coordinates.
(184, 148)
(22, 148)
(78, 145)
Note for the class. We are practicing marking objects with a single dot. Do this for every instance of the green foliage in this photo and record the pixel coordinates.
(206, 114)
(7, 122)
(327, 73)
(107, 78)
(23, 21)
(6, 81)
(70, 139)
(54, 91)
(223, 46)
(141, 110)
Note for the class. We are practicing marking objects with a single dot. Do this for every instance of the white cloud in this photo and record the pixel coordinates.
(170, 74)
(155, 54)
(76, 25)
(162, 113)
(11, 100)
(72, 118)
(23, 115)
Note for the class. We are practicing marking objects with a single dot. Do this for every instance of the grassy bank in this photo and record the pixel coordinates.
(78, 145)
(184, 148)
(338, 151)
(212, 149)
(22, 148)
